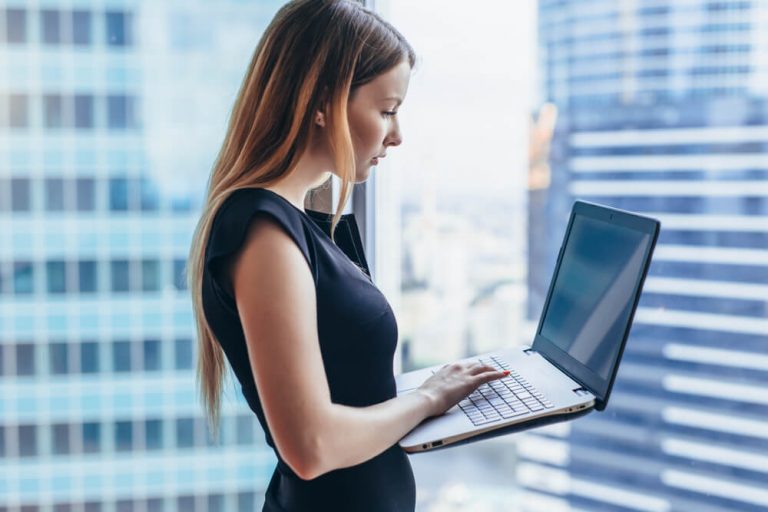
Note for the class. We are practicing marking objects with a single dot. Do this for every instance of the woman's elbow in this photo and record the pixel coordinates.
(308, 461)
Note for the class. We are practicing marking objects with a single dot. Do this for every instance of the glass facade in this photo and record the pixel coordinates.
(663, 111)
(102, 169)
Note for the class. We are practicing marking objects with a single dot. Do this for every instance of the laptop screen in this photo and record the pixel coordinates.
(595, 292)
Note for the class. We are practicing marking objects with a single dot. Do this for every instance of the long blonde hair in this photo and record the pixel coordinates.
(311, 57)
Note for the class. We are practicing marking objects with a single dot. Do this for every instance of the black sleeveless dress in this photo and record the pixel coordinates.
(357, 332)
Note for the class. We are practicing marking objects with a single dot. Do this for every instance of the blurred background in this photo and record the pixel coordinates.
(111, 114)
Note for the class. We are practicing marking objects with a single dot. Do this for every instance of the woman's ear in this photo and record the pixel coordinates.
(320, 119)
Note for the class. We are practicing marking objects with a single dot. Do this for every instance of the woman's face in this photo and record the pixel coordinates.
(372, 115)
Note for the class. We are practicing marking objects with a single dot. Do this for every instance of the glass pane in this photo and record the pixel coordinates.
(183, 354)
(120, 276)
(18, 110)
(2, 442)
(216, 503)
(61, 438)
(51, 26)
(56, 276)
(150, 275)
(154, 434)
(3, 349)
(54, 194)
(123, 436)
(245, 430)
(155, 505)
(20, 195)
(179, 274)
(124, 505)
(89, 357)
(151, 355)
(91, 437)
(150, 198)
(118, 194)
(59, 354)
(25, 359)
(63, 507)
(121, 356)
(84, 111)
(186, 503)
(53, 111)
(246, 501)
(81, 27)
(87, 276)
(185, 432)
(92, 506)
(86, 194)
(118, 28)
(23, 277)
(16, 25)
(121, 112)
(28, 440)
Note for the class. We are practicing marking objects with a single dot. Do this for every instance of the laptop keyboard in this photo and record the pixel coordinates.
(503, 398)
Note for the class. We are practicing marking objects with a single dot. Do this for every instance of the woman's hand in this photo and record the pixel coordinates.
(453, 382)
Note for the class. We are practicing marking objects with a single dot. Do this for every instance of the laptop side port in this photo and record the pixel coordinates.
(437, 443)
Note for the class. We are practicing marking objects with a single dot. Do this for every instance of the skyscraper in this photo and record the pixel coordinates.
(111, 114)
(663, 110)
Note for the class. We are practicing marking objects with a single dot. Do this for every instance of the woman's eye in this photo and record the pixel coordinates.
(389, 113)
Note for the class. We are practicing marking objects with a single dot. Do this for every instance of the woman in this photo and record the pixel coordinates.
(308, 335)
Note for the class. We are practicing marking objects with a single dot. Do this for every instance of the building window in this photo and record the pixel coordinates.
(118, 194)
(25, 359)
(62, 507)
(89, 357)
(54, 194)
(245, 434)
(81, 27)
(179, 277)
(3, 452)
(120, 112)
(85, 190)
(23, 277)
(121, 356)
(18, 111)
(183, 354)
(28, 440)
(53, 111)
(20, 195)
(51, 26)
(123, 436)
(16, 26)
(3, 348)
(118, 28)
(59, 357)
(185, 503)
(185, 432)
(87, 276)
(216, 503)
(156, 505)
(151, 355)
(150, 199)
(91, 437)
(120, 275)
(61, 439)
(84, 111)
(150, 275)
(246, 501)
(56, 276)
(153, 433)
(92, 506)
(125, 505)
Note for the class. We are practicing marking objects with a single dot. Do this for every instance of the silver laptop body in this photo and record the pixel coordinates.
(572, 363)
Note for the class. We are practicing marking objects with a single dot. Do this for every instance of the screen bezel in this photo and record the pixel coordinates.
(598, 386)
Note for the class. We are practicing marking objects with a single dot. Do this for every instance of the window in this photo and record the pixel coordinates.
(121, 356)
(28, 440)
(18, 111)
(86, 194)
(120, 276)
(23, 277)
(56, 275)
(215, 503)
(186, 503)
(61, 438)
(245, 430)
(120, 112)
(150, 199)
(246, 501)
(151, 355)
(123, 436)
(118, 28)
(59, 358)
(179, 274)
(20, 195)
(92, 506)
(62, 507)
(150, 275)
(185, 432)
(91, 437)
(51, 26)
(89, 357)
(3, 348)
(25, 359)
(54, 194)
(53, 113)
(87, 276)
(183, 354)
(124, 505)
(2, 442)
(16, 25)
(83, 111)
(81, 28)
(153, 432)
(118, 194)
(156, 505)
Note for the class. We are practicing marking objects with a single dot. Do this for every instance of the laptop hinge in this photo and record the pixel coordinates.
(581, 391)
(529, 351)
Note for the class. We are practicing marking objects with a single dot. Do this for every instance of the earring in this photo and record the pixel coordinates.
(320, 119)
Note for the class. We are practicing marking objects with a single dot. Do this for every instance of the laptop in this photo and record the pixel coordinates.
(571, 365)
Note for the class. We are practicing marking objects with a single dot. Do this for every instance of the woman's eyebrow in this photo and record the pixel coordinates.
(396, 98)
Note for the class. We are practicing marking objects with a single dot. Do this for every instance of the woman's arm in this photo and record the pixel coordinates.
(275, 296)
